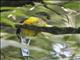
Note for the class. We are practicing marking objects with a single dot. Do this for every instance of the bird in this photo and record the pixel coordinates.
(40, 19)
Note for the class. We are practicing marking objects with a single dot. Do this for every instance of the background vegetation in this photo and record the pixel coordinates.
(42, 47)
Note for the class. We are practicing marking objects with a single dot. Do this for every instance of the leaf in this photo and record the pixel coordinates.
(6, 43)
(10, 8)
(7, 22)
(73, 5)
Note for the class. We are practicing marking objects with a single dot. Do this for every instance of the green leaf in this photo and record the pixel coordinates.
(10, 8)
(6, 21)
(72, 5)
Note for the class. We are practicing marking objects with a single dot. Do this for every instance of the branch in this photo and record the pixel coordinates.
(5, 10)
(17, 3)
(52, 30)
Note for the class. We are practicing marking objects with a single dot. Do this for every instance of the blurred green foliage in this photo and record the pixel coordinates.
(43, 40)
(73, 5)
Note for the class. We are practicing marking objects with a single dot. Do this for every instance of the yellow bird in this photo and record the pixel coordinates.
(37, 21)
(24, 34)
(32, 21)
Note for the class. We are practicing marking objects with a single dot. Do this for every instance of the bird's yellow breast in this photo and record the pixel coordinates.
(30, 21)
